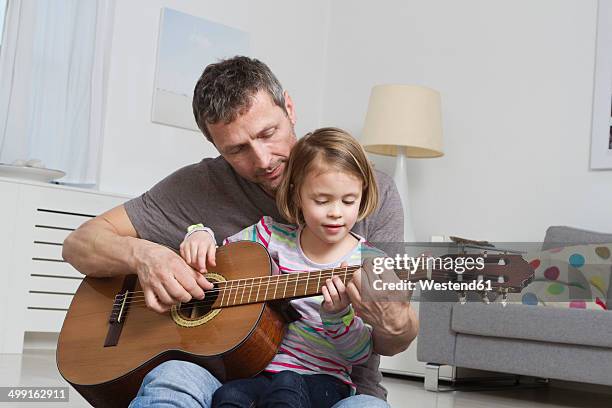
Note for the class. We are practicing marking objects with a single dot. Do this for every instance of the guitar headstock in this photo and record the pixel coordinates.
(509, 272)
(477, 265)
(500, 273)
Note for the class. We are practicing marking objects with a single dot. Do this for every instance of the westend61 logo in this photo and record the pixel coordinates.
(424, 263)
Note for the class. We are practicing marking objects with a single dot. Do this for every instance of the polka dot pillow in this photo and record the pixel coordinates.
(570, 277)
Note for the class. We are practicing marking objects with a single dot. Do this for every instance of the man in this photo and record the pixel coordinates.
(240, 107)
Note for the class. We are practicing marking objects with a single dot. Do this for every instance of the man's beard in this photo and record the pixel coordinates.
(259, 173)
(271, 186)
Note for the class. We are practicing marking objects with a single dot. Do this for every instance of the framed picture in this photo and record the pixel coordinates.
(186, 45)
(601, 129)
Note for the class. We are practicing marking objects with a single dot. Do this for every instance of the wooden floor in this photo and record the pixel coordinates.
(37, 368)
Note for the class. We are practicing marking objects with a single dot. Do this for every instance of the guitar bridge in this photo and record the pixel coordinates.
(119, 311)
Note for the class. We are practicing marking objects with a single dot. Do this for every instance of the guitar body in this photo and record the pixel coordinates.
(233, 342)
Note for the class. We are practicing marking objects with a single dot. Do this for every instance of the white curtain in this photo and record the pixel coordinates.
(53, 73)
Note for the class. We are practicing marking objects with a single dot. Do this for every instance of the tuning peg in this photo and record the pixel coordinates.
(504, 299)
(462, 297)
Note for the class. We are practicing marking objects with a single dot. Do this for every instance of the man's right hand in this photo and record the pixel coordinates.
(108, 245)
(165, 277)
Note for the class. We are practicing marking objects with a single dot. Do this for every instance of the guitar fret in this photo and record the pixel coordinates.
(296, 283)
(222, 293)
(243, 290)
(229, 295)
(286, 283)
(228, 288)
(267, 287)
(276, 286)
(319, 282)
(258, 288)
(251, 290)
(307, 279)
(236, 296)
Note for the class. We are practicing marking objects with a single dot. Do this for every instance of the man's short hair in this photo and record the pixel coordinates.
(226, 88)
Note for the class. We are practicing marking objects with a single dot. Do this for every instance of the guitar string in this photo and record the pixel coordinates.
(114, 314)
(253, 284)
(492, 257)
(333, 270)
(310, 273)
(270, 277)
(300, 274)
(235, 289)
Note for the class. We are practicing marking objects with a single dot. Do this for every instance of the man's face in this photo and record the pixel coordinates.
(258, 142)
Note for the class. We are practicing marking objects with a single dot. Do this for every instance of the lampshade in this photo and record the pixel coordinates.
(403, 118)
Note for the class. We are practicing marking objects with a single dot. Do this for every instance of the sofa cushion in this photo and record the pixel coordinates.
(563, 236)
(557, 236)
(569, 277)
(569, 326)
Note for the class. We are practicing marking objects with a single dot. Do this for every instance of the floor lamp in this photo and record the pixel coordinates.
(403, 121)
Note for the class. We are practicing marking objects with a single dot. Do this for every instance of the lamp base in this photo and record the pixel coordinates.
(401, 181)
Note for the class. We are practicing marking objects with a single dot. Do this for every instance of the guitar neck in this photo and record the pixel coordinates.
(287, 286)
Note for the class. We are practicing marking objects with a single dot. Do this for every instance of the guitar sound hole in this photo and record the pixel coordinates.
(196, 309)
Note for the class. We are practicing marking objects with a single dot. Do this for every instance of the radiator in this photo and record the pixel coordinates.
(38, 285)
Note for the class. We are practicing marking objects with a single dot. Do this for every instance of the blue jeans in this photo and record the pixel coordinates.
(182, 384)
(283, 389)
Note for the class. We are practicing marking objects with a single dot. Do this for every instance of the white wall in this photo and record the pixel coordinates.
(516, 82)
(289, 36)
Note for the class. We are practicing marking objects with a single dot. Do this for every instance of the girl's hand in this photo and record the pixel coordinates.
(335, 297)
(197, 249)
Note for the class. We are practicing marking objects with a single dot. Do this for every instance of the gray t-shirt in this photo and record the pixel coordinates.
(212, 193)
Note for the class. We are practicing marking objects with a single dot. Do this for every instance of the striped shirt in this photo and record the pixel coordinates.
(318, 342)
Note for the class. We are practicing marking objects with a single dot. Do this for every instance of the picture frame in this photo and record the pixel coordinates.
(601, 128)
(186, 45)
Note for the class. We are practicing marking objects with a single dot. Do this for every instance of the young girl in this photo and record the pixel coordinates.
(328, 186)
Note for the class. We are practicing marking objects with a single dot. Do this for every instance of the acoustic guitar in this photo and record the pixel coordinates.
(110, 340)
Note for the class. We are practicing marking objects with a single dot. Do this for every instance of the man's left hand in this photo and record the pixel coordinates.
(392, 318)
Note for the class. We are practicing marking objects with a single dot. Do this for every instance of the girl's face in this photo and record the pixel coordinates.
(330, 203)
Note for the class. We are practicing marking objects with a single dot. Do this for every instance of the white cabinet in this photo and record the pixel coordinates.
(38, 284)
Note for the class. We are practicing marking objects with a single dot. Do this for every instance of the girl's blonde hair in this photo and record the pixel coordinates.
(326, 148)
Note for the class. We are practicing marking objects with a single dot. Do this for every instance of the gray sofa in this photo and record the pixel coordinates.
(566, 344)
